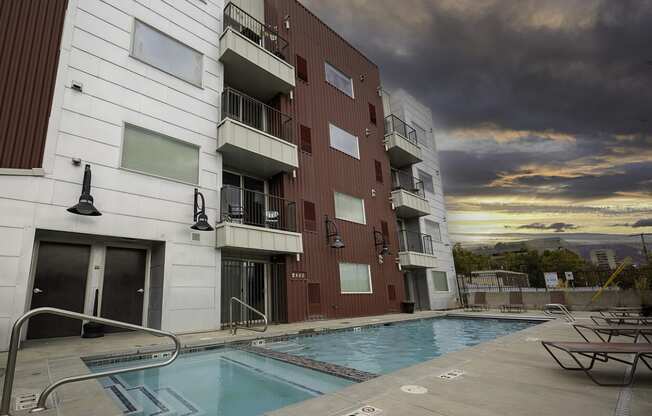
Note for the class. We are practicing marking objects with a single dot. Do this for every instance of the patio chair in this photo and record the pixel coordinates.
(635, 332)
(235, 213)
(515, 303)
(602, 352)
(558, 296)
(479, 302)
(622, 320)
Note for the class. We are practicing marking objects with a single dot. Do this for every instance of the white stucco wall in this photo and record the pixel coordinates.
(119, 89)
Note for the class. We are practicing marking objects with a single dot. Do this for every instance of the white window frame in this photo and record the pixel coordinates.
(425, 224)
(174, 139)
(434, 286)
(331, 126)
(371, 288)
(364, 211)
(133, 55)
(334, 68)
(432, 181)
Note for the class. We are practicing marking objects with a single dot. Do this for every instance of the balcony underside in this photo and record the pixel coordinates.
(401, 151)
(255, 151)
(414, 260)
(250, 68)
(240, 238)
(409, 205)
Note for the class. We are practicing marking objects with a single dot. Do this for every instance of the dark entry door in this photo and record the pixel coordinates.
(59, 282)
(124, 285)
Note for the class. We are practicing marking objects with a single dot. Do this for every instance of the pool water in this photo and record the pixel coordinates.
(217, 382)
(384, 349)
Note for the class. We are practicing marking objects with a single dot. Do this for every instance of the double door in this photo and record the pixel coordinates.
(84, 278)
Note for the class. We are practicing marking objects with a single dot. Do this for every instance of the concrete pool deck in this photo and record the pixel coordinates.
(511, 375)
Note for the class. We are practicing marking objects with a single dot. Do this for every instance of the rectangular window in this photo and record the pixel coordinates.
(305, 139)
(355, 278)
(379, 171)
(440, 281)
(428, 183)
(337, 79)
(302, 68)
(167, 54)
(344, 141)
(309, 216)
(349, 208)
(372, 113)
(149, 152)
(432, 229)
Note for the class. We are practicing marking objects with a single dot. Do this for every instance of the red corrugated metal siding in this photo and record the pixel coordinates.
(315, 104)
(30, 37)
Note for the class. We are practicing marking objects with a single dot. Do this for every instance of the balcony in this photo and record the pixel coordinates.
(255, 222)
(254, 56)
(408, 195)
(415, 250)
(255, 137)
(401, 142)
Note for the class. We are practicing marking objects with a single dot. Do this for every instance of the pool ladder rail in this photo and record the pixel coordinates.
(234, 326)
(555, 308)
(15, 341)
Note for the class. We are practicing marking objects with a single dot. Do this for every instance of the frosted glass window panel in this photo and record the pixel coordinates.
(428, 182)
(337, 79)
(149, 152)
(349, 208)
(167, 54)
(344, 141)
(440, 281)
(433, 230)
(355, 278)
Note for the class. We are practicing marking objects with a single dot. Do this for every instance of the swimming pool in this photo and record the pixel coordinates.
(216, 382)
(383, 349)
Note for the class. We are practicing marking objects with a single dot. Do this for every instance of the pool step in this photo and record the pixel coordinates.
(287, 347)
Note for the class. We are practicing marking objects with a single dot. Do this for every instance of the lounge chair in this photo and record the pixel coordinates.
(515, 303)
(623, 320)
(479, 302)
(635, 332)
(602, 352)
(559, 297)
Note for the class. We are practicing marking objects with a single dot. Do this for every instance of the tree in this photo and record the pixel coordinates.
(466, 261)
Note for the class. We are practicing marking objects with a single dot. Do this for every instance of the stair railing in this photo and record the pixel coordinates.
(234, 326)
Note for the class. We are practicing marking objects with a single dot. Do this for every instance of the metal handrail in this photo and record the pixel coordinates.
(402, 179)
(253, 29)
(257, 208)
(13, 353)
(234, 328)
(563, 309)
(415, 241)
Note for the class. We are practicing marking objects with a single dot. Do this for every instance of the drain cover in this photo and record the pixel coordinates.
(365, 411)
(26, 401)
(414, 389)
(450, 375)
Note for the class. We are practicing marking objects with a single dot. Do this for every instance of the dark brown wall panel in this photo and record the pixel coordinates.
(30, 37)
(315, 104)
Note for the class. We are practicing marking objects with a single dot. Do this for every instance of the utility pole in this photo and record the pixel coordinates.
(642, 235)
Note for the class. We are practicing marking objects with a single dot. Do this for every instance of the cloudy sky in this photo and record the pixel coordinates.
(549, 102)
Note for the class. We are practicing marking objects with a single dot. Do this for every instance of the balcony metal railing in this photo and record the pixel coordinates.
(394, 124)
(240, 107)
(254, 30)
(414, 241)
(244, 206)
(402, 179)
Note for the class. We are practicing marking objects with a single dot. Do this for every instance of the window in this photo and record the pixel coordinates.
(339, 80)
(440, 281)
(355, 278)
(344, 141)
(432, 229)
(372, 113)
(149, 152)
(305, 139)
(302, 68)
(428, 183)
(379, 171)
(167, 54)
(349, 208)
(309, 216)
(421, 135)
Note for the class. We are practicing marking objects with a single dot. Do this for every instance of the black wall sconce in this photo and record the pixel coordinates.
(381, 242)
(85, 205)
(199, 215)
(333, 232)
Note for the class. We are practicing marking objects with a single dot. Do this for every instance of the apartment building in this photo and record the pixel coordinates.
(160, 158)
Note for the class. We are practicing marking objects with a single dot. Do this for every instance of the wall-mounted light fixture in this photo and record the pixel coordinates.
(85, 205)
(332, 233)
(379, 241)
(199, 214)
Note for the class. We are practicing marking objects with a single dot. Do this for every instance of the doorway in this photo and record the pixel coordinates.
(59, 282)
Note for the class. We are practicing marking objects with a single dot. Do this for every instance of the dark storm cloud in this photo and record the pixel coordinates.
(647, 222)
(558, 227)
